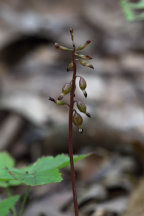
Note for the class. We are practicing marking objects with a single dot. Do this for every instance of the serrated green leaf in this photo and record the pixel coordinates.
(58, 162)
(44, 171)
(7, 204)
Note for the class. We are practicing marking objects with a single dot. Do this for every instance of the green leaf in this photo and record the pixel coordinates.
(44, 171)
(7, 204)
(36, 177)
(6, 161)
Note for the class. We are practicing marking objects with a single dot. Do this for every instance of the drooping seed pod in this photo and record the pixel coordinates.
(70, 66)
(81, 106)
(57, 46)
(66, 88)
(77, 119)
(83, 45)
(82, 83)
(85, 64)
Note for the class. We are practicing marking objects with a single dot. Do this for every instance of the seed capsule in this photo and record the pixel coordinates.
(77, 119)
(82, 83)
(70, 66)
(84, 63)
(83, 45)
(66, 88)
(81, 106)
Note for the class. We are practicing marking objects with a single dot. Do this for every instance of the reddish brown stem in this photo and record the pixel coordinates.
(70, 134)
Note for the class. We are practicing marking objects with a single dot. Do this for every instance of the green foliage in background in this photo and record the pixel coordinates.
(133, 11)
(7, 204)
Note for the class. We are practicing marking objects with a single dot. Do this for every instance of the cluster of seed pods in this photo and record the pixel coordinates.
(67, 88)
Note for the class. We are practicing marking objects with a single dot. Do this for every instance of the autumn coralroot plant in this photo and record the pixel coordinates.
(69, 88)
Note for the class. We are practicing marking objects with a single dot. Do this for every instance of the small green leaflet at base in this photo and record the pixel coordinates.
(44, 171)
(7, 204)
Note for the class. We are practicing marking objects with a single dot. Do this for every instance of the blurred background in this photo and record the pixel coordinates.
(31, 70)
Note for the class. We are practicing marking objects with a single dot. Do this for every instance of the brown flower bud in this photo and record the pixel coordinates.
(57, 46)
(81, 106)
(60, 102)
(70, 66)
(82, 83)
(83, 45)
(77, 119)
(66, 88)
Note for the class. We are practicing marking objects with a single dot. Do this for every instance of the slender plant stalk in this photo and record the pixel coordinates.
(9, 195)
(24, 201)
(70, 134)
(74, 117)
